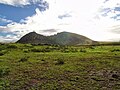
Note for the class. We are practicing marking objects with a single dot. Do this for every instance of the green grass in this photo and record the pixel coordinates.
(29, 67)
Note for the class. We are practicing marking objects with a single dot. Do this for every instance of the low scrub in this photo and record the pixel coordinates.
(59, 62)
(4, 71)
(3, 52)
(12, 46)
(28, 46)
(36, 50)
(115, 50)
(41, 50)
(68, 50)
(24, 59)
(3, 47)
(83, 50)
(26, 50)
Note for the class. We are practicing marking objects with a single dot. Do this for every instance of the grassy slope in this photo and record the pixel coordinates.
(27, 67)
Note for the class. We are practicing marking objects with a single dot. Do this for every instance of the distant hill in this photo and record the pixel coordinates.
(63, 38)
(34, 38)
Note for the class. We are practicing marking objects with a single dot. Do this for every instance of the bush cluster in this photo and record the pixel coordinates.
(83, 50)
(115, 50)
(24, 59)
(4, 71)
(12, 46)
(41, 50)
(59, 62)
(3, 52)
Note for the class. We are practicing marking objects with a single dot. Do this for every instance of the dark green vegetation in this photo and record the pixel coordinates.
(37, 67)
(63, 38)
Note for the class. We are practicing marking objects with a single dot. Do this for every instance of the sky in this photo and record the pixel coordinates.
(98, 20)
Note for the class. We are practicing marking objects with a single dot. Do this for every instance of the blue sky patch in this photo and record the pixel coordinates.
(116, 17)
(17, 13)
(117, 9)
(7, 33)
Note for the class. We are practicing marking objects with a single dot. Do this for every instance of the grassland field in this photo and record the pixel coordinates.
(54, 67)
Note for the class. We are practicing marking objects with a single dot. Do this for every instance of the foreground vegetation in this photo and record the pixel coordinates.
(43, 67)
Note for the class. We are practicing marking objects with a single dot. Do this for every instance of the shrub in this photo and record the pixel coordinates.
(92, 47)
(65, 51)
(73, 50)
(28, 45)
(3, 52)
(24, 59)
(12, 46)
(115, 50)
(4, 84)
(3, 47)
(47, 49)
(25, 50)
(4, 71)
(36, 50)
(83, 50)
(59, 62)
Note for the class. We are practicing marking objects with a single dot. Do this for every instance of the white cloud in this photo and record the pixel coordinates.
(21, 2)
(8, 38)
(5, 20)
(109, 8)
(15, 2)
(111, 4)
(86, 19)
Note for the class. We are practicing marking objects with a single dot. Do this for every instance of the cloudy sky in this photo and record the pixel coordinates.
(96, 19)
